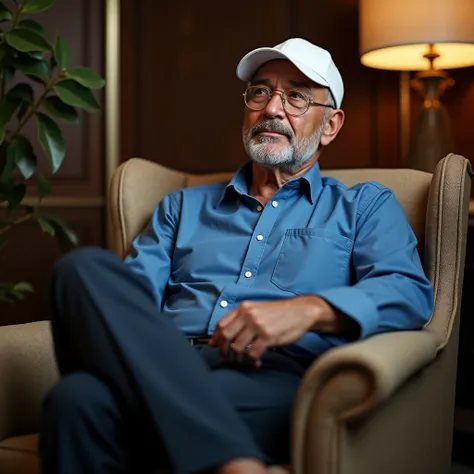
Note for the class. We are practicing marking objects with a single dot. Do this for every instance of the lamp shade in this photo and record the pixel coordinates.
(396, 34)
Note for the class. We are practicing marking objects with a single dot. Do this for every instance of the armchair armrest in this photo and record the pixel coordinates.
(27, 372)
(347, 382)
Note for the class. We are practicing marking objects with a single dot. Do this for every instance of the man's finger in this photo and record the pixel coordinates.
(258, 347)
(243, 339)
(228, 333)
(223, 322)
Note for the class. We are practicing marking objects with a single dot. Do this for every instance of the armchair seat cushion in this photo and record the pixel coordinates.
(19, 455)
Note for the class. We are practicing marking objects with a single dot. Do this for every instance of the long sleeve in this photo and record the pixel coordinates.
(391, 290)
(152, 250)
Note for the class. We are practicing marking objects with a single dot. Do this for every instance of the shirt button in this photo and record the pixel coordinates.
(224, 304)
(259, 208)
(259, 237)
(248, 274)
(275, 203)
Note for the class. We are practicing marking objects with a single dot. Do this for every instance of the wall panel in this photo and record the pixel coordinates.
(30, 255)
(173, 52)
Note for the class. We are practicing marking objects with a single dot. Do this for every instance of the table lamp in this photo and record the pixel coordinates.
(427, 36)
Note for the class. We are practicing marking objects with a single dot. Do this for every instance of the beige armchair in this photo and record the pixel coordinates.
(380, 406)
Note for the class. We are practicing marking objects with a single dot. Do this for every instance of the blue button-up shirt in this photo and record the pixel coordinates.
(208, 248)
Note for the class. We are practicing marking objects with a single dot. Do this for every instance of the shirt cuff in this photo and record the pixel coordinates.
(354, 303)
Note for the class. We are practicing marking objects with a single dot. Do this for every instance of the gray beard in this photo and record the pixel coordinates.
(290, 158)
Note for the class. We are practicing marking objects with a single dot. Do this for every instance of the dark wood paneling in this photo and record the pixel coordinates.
(81, 24)
(30, 255)
(184, 46)
(178, 49)
(369, 136)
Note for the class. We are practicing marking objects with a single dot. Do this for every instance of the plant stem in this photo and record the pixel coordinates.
(16, 222)
(16, 16)
(49, 86)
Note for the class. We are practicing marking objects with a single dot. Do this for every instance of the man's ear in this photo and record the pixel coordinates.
(333, 124)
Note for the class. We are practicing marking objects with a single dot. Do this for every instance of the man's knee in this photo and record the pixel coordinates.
(77, 395)
(81, 260)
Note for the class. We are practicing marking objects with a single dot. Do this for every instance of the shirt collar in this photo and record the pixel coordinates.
(310, 183)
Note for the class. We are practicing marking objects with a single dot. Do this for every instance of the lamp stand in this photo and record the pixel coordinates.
(431, 137)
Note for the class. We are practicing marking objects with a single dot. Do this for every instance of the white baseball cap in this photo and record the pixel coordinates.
(314, 62)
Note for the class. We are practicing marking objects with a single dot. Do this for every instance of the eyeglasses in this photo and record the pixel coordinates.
(295, 101)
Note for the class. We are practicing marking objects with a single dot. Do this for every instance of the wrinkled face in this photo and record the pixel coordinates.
(271, 136)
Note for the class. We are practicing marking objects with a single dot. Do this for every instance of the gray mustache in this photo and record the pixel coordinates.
(271, 125)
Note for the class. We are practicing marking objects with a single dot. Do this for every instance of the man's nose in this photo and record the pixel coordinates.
(274, 107)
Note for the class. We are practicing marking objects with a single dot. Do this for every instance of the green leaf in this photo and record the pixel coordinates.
(5, 13)
(67, 239)
(21, 152)
(86, 77)
(23, 287)
(13, 292)
(35, 6)
(8, 106)
(33, 26)
(23, 92)
(14, 98)
(45, 226)
(32, 66)
(2, 134)
(56, 107)
(25, 40)
(9, 74)
(61, 53)
(43, 187)
(36, 54)
(51, 140)
(75, 95)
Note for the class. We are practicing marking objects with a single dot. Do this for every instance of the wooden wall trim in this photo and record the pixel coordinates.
(113, 110)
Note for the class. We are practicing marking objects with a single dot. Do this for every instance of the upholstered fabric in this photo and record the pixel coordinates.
(383, 405)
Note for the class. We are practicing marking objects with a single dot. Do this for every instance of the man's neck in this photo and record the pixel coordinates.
(266, 182)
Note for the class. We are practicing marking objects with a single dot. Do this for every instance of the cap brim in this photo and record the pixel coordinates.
(252, 61)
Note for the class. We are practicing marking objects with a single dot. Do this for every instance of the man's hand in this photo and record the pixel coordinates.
(253, 327)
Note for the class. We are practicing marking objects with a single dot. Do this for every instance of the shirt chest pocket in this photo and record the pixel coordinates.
(311, 260)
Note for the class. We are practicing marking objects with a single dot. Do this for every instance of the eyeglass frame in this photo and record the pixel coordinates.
(311, 100)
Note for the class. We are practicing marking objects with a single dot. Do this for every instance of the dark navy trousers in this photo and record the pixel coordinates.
(135, 396)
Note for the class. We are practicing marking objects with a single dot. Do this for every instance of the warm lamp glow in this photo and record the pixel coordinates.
(395, 35)
(410, 57)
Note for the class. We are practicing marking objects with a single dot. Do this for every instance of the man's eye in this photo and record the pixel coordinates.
(296, 95)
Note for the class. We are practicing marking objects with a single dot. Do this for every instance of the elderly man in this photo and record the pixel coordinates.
(189, 353)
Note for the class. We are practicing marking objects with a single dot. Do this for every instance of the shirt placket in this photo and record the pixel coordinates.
(250, 266)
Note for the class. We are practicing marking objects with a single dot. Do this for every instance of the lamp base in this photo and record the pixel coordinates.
(431, 137)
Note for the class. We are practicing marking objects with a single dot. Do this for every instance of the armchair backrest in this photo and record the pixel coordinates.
(436, 205)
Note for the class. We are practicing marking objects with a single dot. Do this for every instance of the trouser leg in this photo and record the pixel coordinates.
(85, 430)
(105, 323)
(263, 398)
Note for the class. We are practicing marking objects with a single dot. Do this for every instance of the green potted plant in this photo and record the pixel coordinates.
(38, 85)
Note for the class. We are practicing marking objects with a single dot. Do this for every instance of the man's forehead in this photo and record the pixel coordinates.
(283, 70)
